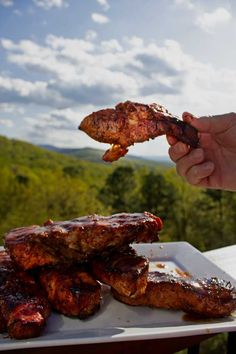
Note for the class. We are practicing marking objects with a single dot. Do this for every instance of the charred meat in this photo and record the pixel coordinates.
(123, 270)
(79, 239)
(132, 122)
(209, 298)
(71, 291)
(24, 308)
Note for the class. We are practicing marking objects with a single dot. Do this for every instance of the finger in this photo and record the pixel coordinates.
(185, 163)
(196, 174)
(178, 151)
(171, 139)
(210, 124)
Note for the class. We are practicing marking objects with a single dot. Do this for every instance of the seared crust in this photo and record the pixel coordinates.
(207, 297)
(23, 305)
(79, 239)
(132, 122)
(124, 271)
(72, 291)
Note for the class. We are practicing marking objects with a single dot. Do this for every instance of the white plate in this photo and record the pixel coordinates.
(117, 322)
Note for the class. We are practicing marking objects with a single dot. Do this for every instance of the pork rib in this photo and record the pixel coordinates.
(79, 239)
(132, 122)
(71, 291)
(23, 306)
(123, 270)
(210, 298)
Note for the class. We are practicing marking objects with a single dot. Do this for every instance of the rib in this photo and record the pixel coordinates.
(132, 122)
(23, 306)
(79, 239)
(209, 298)
(123, 270)
(71, 291)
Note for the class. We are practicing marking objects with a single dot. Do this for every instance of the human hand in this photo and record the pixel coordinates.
(213, 163)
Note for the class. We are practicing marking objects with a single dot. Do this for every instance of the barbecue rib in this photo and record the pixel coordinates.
(79, 239)
(123, 270)
(23, 306)
(71, 291)
(210, 298)
(131, 123)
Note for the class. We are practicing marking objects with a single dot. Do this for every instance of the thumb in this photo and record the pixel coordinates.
(207, 124)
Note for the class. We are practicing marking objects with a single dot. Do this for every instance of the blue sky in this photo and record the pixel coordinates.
(63, 59)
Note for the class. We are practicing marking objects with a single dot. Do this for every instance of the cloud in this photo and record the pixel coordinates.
(48, 4)
(25, 92)
(81, 75)
(6, 122)
(209, 21)
(11, 108)
(90, 35)
(81, 72)
(104, 3)
(6, 3)
(99, 18)
(188, 4)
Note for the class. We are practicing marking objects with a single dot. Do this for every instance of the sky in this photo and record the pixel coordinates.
(63, 59)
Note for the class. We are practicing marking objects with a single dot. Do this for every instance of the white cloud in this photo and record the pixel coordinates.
(111, 45)
(104, 3)
(48, 4)
(6, 122)
(209, 21)
(99, 18)
(90, 35)
(25, 92)
(188, 4)
(80, 75)
(11, 108)
(17, 12)
(6, 3)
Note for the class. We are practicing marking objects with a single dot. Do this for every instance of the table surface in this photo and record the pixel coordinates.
(225, 258)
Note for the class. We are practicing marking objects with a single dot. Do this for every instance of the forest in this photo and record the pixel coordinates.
(37, 184)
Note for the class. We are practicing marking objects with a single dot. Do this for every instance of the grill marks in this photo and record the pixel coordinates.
(132, 122)
(80, 239)
(24, 307)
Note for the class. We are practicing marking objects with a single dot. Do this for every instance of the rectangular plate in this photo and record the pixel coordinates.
(117, 322)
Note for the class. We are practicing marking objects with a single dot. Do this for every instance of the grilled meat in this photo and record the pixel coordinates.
(123, 270)
(210, 298)
(132, 122)
(71, 291)
(79, 239)
(23, 306)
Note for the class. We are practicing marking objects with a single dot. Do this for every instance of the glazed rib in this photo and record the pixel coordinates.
(79, 239)
(71, 291)
(23, 306)
(132, 122)
(123, 270)
(207, 297)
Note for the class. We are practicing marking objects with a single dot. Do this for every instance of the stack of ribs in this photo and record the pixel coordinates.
(63, 265)
(51, 264)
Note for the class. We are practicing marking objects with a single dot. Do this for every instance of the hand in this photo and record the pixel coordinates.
(213, 163)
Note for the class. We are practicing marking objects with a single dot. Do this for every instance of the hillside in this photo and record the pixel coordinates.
(95, 155)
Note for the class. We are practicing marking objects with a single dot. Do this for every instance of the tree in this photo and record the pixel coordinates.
(119, 188)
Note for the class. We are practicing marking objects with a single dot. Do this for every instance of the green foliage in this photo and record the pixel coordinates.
(118, 191)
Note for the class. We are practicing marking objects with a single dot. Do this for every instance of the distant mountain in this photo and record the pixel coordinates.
(95, 155)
